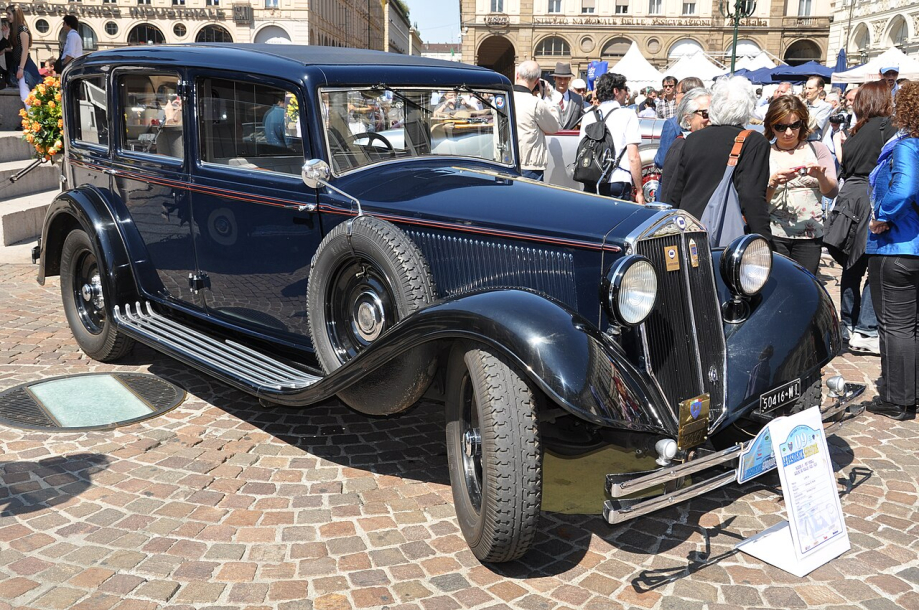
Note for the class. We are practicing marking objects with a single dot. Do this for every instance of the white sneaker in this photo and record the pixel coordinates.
(864, 345)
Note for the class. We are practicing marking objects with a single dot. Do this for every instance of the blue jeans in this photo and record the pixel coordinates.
(856, 309)
(533, 174)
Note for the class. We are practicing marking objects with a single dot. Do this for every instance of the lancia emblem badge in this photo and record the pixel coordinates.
(693, 253)
(499, 102)
(695, 407)
(681, 222)
(712, 374)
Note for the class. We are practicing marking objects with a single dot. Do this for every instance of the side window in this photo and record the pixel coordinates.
(152, 114)
(89, 108)
(249, 126)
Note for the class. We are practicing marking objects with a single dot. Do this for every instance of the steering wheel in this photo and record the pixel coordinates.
(372, 135)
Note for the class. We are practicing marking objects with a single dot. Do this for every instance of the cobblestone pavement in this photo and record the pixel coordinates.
(222, 504)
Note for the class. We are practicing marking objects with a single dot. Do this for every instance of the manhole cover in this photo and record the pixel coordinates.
(94, 401)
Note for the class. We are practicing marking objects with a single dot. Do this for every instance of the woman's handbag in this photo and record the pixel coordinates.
(722, 216)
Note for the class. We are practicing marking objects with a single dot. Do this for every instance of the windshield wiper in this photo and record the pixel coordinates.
(482, 99)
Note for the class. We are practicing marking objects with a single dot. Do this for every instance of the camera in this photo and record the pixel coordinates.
(841, 119)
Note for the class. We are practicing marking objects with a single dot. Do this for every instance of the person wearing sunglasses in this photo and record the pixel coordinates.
(692, 113)
(801, 172)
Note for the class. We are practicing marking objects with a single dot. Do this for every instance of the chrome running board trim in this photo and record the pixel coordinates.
(239, 363)
(619, 510)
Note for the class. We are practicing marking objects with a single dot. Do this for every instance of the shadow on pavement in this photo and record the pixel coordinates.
(32, 486)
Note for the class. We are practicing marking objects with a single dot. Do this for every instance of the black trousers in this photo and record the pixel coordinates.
(805, 252)
(895, 294)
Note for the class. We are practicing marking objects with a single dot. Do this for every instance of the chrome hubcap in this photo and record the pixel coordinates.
(92, 292)
(369, 316)
(472, 441)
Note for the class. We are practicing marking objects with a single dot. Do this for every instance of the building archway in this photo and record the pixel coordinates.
(860, 40)
(684, 46)
(745, 48)
(213, 33)
(802, 51)
(897, 32)
(497, 53)
(272, 34)
(615, 48)
(145, 33)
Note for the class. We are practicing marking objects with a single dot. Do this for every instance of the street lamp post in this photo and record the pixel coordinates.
(741, 10)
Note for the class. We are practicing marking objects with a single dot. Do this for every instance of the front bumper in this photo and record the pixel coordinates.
(621, 509)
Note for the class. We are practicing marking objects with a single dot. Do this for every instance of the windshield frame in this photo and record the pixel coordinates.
(402, 89)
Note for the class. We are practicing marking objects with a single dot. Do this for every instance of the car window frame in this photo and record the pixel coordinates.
(71, 109)
(199, 74)
(326, 146)
(118, 151)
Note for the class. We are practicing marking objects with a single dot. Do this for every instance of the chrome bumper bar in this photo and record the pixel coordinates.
(619, 510)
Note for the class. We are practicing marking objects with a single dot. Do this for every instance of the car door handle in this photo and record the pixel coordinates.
(307, 207)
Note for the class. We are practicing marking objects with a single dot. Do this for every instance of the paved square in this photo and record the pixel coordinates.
(223, 504)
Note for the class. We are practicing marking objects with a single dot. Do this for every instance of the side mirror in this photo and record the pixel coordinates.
(315, 172)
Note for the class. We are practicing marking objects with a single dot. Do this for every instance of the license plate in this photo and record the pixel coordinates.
(773, 399)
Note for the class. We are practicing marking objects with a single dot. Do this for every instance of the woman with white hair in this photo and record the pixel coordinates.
(692, 115)
(705, 155)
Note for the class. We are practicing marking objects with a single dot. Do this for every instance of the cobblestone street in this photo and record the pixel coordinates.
(222, 504)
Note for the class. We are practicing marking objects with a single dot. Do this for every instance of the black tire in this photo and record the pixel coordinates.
(493, 450)
(359, 287)
(743, 430)
(83, 293)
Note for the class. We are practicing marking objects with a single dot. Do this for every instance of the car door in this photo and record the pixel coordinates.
(149, 174)
(255, 228)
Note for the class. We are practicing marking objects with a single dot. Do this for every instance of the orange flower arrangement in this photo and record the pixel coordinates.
(42, 122)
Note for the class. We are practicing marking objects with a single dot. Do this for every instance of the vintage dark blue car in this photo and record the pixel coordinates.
(304, 222)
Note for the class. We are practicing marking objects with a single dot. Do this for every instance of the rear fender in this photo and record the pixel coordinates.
(792, 332)
(580, 369)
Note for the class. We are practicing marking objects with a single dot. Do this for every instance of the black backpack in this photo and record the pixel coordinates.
(596, 151)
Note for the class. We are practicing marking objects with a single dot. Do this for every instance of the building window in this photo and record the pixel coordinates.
(142, 2)
(109, 1)
(212, 3)
(804, 8)
(689, 8)
(89, 37)
(654, 7)
(588, 6)
(497, 6)
(146, 34)
(178, 2)
(213, 33)
(553, 46)
(622, 7)
(179, 30)
(111, 28)
(42, 26)
(271, 3)
(555, 6)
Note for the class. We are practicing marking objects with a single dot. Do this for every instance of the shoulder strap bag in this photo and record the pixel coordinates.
(722, 216)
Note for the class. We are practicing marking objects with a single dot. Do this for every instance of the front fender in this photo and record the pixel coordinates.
(792, 333)
(85, 208)
(579, 368)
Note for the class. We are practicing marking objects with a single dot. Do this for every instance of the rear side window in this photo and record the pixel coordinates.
(152, 114)
(249, 126)
(91, 124)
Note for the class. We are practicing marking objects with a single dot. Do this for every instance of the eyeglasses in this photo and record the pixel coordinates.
(701, 113)
(782, 127)
(669, 86)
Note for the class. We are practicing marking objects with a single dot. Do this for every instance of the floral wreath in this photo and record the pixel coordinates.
(42, 121)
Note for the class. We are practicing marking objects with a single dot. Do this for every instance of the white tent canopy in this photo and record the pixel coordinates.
(637, 70)
(754, 63)
(697, 65)
(909, 68)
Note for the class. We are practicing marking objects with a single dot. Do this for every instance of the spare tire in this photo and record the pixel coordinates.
(366, 276)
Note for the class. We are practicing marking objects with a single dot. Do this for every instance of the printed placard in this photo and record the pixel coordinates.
(757, 457)
(672, 258)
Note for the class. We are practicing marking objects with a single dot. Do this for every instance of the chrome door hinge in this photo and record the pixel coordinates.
(198, 281)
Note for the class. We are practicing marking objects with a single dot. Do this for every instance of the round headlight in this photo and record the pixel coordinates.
(746, 265)
(632, 290)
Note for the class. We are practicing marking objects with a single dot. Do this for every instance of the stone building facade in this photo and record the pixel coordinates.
(866, 28)
(502, 33)
(106, 24)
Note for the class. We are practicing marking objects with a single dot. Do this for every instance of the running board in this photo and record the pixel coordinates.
(620, 509)
(232, 362)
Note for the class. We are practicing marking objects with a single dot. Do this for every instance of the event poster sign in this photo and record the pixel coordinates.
(816, 529)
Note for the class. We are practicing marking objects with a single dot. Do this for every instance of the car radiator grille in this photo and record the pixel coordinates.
(684, 339)
(461, 265)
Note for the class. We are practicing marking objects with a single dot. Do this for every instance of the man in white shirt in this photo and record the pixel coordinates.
(73, 44)
(625, 180)
(819, 110)
(536, 117)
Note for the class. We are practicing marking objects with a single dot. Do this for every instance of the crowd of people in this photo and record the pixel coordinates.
(816, 171)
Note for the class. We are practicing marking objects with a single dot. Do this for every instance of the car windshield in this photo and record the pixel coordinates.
(369, 125)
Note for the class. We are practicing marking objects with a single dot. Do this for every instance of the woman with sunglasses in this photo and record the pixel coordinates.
(800, 174)
(893, 259)
(692, 115)
(23, 71)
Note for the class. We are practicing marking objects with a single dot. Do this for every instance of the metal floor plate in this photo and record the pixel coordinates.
(94, 401)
